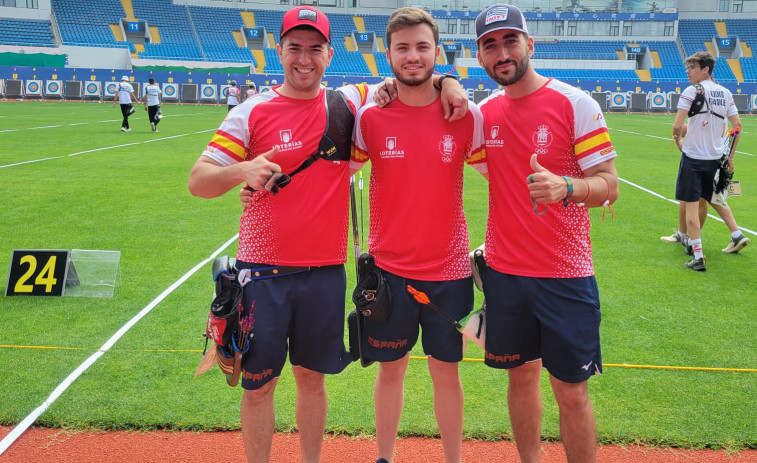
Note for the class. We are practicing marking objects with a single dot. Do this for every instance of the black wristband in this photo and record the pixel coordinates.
(444, 76)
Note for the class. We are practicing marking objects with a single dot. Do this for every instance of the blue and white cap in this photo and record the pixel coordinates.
(498, 17)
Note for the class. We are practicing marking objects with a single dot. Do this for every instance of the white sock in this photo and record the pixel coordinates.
(696, 246)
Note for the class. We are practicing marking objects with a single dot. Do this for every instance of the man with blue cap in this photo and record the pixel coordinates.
(549, 158)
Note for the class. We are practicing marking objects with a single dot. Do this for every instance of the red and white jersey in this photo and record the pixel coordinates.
(567, 130)
(232, 96)
(417, 225)
(306, 223)
(249, 92)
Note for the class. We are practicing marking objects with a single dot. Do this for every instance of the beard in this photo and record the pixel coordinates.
(411, 81)
(520, 70)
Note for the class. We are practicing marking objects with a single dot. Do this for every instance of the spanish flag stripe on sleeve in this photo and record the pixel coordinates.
(476, 157)
(228, 144)
(595, 149)
(230, 137)
(592, 142)
(363, 89)
(359, 155)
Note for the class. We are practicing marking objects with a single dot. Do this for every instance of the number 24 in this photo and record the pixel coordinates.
(44, 278)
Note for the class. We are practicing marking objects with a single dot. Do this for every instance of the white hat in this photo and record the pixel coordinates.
(124, 77)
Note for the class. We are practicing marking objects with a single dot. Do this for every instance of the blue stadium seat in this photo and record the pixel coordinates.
(175, 26)
(87, 22)
(26, 32)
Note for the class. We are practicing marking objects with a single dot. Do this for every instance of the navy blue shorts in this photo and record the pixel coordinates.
(696, 178)
(391, 339)
(552, 319)
(303, 314)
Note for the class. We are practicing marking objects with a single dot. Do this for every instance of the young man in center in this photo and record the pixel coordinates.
(418, 233)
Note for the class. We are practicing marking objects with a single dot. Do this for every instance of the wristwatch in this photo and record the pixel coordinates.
(444, 76)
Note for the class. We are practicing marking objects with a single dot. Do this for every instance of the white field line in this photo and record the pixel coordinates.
(107, 148)
(85, 123)
(746, 230)
(669, 139)
(29, 420)
(29, 162)
(714, 217)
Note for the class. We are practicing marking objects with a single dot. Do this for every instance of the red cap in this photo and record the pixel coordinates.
(306, 16)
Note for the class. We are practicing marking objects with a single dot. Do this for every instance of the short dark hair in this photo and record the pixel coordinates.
(151, 80)
(410, 16)
(702, 59)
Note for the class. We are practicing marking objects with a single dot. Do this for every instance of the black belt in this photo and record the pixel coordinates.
(260, 273)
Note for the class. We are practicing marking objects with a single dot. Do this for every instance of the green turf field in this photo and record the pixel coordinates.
(69, 179)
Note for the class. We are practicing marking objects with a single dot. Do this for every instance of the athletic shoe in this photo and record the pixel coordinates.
(156, 130)
(696, 264)
(127, 130)
(123, 129)
(736, 244)
(152, 126)
(674, 238)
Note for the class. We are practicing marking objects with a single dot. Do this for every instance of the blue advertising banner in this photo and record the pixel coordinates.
(566, 16)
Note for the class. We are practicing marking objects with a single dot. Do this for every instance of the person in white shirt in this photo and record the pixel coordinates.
(125, 95)
(710, 108)
(152, 103)
(232, 97)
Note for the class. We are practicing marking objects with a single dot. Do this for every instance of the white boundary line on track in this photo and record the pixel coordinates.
(32, 417)
(107, 148)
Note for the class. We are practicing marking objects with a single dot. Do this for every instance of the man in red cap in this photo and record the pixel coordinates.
(294, 238)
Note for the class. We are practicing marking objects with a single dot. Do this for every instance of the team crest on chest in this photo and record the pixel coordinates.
(542, 138)
(447, 148)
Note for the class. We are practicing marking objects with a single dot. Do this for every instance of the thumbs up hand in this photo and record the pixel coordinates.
(257, 172)
(544, 186)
